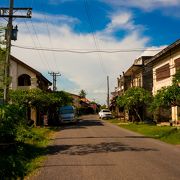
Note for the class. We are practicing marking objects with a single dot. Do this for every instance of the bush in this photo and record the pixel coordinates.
(85, 110)
(12, 117)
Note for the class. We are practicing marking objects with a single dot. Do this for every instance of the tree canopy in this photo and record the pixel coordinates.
(39, 98)
(133, 99)
(82, 93)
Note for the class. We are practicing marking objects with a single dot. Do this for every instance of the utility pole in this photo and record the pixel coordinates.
(9, 13)
(108, 92)
(54, 75)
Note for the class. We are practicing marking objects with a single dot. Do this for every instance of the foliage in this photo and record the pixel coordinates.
(38, 98)
(12, 119)
(85, 110)
(133, 99)
(176, 78)
(103, 106)
(19, 159)
(82, 93)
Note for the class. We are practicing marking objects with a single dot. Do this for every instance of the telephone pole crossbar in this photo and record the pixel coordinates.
(5, 12)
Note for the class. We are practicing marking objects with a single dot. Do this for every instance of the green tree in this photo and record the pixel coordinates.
(38, 98)
(82, 93)
(134, 99)
(167, 96)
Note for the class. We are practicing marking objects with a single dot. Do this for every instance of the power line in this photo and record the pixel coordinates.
(42, 56)
(86, 5)
(49, 35)
(34, 43)
(81, 51)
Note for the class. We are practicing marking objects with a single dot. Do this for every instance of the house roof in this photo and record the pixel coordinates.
(138, 63)
(165, 51)
(38, 74)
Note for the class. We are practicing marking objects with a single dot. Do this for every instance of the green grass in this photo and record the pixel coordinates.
(167, 134)
(21, 159)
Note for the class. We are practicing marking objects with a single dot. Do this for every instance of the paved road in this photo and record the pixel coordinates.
(97, 150)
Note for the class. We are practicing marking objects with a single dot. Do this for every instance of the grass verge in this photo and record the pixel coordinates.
(19, 159)
(167, 134)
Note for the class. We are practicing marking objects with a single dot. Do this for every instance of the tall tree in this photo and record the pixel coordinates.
(82, 93)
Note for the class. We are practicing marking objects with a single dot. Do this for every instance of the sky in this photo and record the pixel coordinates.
(92, 25)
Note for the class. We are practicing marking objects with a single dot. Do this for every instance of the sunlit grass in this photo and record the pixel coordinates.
(164, 133)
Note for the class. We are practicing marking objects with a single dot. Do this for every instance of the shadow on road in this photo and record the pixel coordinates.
(102, 137)
(76, 165)
(85, 149)
(82, 124)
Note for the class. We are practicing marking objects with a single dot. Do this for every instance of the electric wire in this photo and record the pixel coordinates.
(49, 36)
(43, 57)
(34, 43)
(86, 5)
(81, 51)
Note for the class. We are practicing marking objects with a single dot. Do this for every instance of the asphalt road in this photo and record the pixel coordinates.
(97, 150)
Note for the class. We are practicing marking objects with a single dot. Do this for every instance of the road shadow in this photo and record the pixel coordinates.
(81, 124)
(76, 165)
(102, 137)
(85, 149)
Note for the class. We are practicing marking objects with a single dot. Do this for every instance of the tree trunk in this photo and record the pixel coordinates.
(138, 115)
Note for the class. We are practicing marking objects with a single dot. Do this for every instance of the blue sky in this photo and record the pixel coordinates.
(116, 24)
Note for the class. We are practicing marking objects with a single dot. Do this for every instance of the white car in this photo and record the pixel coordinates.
(105, 113)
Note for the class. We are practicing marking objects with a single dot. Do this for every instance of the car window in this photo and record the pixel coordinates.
(106, 110)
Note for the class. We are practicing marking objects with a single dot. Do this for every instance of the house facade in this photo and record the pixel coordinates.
(25, 77)
(165, 64)
(152, 73)
(135, 76)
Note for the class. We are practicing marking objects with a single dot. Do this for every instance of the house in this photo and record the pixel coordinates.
(151, 73)
(164, 65)
(138, 75)
(83, 105)
(78, 101)
(25, 77)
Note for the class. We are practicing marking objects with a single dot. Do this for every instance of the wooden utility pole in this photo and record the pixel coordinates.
(54, 75)
(9, 13)
(108, 92)
(8, 51)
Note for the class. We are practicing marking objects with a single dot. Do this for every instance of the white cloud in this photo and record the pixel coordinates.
(153, 50)
(120, 21)
(144, 4)
(85, 71)
(54, 19)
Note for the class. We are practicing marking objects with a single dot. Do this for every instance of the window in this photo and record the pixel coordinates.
(24, 80)
(177, 63)
(163, 72)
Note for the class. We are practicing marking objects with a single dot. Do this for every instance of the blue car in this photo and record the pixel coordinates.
(67, 114)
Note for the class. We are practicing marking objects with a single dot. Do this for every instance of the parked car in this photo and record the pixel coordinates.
(105, 114)
(67, 114)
